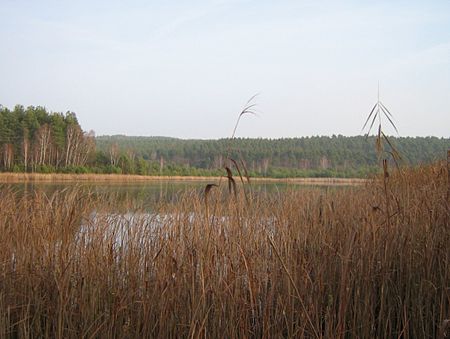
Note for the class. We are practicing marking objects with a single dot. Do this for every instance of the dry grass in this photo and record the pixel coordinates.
(295, 264)
(23, 177)
(62, 177)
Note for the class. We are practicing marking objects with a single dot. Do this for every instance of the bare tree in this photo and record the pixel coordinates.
(25, 149)
(42, 146)
(8, 155)
(87, 146)
(114, 154)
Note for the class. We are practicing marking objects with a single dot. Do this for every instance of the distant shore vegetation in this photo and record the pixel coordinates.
(34, 140)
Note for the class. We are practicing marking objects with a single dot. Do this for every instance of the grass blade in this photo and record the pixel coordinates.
(368, 118)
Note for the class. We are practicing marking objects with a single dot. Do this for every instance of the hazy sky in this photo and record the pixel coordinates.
(185, 68)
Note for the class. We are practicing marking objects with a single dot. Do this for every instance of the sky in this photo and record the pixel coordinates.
(186, 68)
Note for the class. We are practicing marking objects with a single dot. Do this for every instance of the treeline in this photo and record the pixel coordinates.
(35, 140)
(319, 156)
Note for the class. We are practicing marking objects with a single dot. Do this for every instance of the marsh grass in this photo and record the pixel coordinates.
(383, 145)
(307, 263)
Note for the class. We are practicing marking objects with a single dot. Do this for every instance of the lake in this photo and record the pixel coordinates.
(128, 198)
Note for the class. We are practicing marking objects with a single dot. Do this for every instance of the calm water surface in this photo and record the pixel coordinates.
(149, 194)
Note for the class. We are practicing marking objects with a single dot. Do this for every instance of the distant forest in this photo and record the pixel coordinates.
(35, 140)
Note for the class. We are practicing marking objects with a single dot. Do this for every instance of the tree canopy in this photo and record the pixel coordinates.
(35, 140)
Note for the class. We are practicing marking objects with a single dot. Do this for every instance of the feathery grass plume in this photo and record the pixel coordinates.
(248, 109)
(379, 111)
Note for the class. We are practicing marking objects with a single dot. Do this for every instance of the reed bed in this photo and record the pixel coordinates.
(365, 262)
(7, 177)
(70, 177)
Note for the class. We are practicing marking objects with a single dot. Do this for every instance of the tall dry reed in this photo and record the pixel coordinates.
(305, 263)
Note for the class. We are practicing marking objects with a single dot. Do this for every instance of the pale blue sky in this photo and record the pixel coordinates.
(185, 68)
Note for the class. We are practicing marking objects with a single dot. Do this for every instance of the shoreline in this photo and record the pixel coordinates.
(9, 177)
